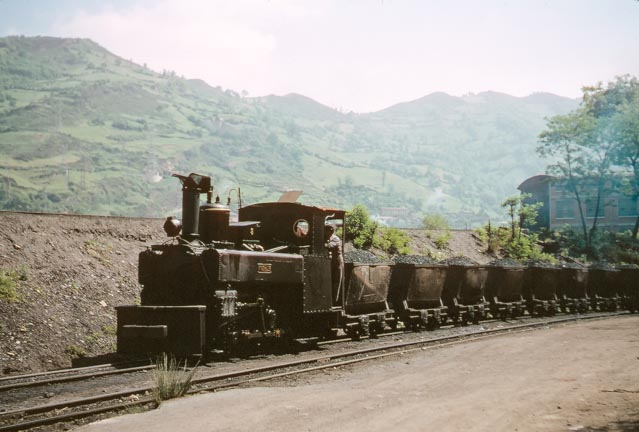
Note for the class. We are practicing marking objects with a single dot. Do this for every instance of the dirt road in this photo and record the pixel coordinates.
(581, 376)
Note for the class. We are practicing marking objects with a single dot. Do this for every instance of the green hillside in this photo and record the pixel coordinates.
(84, 131)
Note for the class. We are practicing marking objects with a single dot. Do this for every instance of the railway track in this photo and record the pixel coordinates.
(137, 398)
(68, 375)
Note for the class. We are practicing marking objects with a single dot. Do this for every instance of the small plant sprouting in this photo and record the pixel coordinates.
(75, 351)
(9, 284)
(172, 379)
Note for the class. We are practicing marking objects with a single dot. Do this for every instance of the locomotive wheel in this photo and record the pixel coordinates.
(432, 324)
(353, 333)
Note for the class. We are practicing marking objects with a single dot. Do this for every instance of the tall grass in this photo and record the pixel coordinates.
(172, 379)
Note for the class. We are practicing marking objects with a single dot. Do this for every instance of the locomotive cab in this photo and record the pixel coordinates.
(293, 227)
(301, 229)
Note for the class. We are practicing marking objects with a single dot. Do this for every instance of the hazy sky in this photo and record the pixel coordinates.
(361, 55)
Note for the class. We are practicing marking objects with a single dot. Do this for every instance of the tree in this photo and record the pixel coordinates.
(521, 215)
(617, 109)
(582, 152)
(513, 241)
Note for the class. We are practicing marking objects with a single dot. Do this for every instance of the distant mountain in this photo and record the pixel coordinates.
(83, 130)
(301, 107)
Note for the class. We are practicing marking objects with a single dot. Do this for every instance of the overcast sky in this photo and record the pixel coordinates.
(360, 55)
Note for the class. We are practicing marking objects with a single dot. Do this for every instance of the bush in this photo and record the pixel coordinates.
(522, 247)
(359, 227)
(438, 223)
(393, 241)
(435, 221)
(442, 240)
(8, 286)
(75, 351)
(9, 283)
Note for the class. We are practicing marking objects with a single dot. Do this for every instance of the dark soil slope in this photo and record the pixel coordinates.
(62, 277)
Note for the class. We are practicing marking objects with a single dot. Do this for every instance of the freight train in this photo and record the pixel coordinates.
(268, 279)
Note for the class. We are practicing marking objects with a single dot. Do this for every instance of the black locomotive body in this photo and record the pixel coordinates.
(225, 286)
(269, 278)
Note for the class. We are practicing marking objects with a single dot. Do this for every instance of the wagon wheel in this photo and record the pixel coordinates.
(464, 319)
(373, 330)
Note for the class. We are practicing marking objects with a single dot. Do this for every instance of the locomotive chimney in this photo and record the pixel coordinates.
(192, 186)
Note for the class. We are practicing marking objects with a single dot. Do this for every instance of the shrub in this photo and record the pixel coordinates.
(75, 351)
(435, 221)
(359, 227)
(393, 241)
(9, 283)
(442, 240)
(439, 224)
(8, 286)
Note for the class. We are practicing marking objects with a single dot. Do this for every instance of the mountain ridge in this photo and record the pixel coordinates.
(83, 130)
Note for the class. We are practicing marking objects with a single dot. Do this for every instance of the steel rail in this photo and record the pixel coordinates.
(52, 372)
(326, 361)
(71, 378)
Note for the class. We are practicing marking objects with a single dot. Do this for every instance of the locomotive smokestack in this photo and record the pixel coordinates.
(192, 187)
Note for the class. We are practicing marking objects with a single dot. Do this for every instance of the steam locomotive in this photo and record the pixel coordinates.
(268, 279)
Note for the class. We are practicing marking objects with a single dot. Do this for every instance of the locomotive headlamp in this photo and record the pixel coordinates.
(172, 226)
